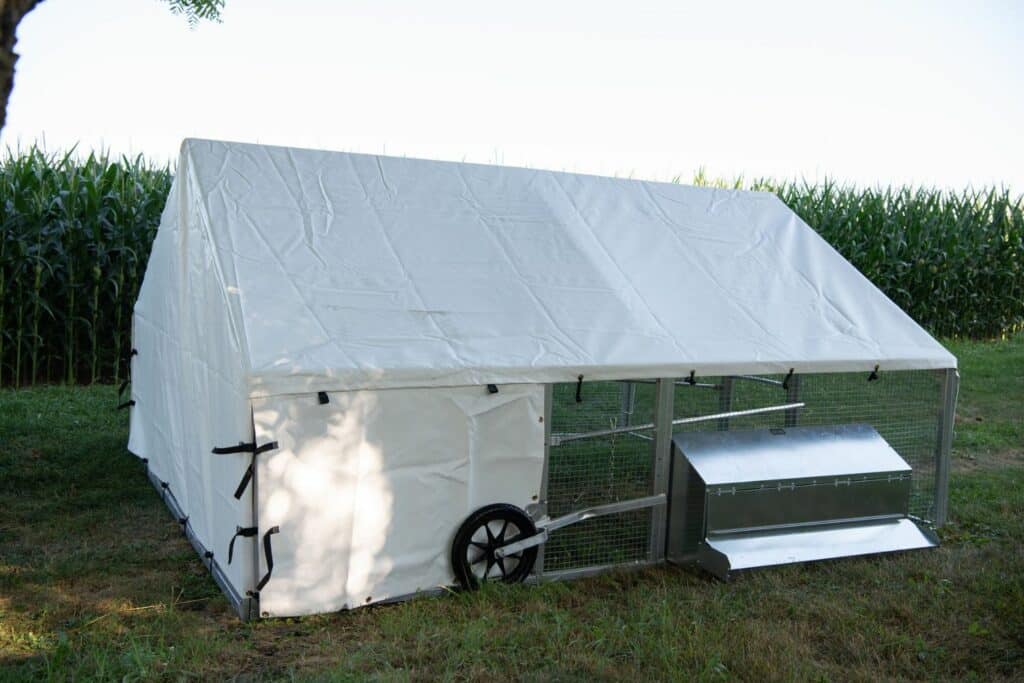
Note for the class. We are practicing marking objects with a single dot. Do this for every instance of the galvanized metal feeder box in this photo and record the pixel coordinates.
(358, 378)
(756, 498)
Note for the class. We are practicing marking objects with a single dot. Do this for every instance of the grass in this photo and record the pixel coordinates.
(96, 583)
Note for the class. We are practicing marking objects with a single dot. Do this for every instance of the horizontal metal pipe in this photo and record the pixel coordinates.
(608, 509)
(579, 516)
(738, 413)
(762, 380)
(558, 439)
(681, 382)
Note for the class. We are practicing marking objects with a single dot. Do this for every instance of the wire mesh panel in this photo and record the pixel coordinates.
(905, 408)
(597, 470)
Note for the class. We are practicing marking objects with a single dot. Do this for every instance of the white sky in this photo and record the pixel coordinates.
(873, 92)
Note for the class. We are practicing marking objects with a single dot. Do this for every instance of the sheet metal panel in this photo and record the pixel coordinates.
(807, 503)
(721, 556)
(798, 453)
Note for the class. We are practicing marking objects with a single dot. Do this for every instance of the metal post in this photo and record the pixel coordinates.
(725, 403)
(628, 401)
(793, 396)
(950, 388)
(660, 456)
(538, 565)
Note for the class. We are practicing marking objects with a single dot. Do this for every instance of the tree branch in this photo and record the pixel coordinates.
(11, 14)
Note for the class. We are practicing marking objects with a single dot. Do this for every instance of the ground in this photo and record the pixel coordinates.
(96, 582)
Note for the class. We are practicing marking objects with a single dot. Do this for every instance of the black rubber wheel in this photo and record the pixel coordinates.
(483, 532)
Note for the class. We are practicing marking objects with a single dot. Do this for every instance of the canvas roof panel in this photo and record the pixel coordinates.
(358, 271)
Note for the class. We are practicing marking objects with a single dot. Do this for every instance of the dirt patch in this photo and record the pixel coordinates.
(980, 462)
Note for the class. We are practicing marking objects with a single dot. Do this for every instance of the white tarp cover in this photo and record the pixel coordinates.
(402, 287)
(188, 382)
(349, 271)
(369, 489)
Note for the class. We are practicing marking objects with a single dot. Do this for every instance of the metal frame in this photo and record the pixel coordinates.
(540, 511)
(738, 413)
(245, 606)
(664, 405)
(725, 403)
(559, 439)
(628, 404)
(660, 433)
(950, 389)
(661, 450)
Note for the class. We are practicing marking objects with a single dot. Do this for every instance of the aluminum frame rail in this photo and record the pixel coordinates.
(943, 451)
(559, 439)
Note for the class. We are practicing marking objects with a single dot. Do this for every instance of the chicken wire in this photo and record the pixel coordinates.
(905, 408)
(594, 471)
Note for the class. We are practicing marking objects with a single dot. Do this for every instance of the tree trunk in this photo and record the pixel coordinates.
(11, 14)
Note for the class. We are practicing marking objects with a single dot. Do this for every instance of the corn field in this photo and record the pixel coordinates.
(74, 238)
(953, 260)
(75, 235)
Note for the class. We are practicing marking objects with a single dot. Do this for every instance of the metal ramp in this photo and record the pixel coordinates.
(746, 499)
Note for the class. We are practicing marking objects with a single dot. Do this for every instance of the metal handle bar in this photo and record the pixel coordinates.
(578, 516)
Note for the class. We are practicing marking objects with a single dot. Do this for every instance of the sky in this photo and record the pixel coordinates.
(927, 93)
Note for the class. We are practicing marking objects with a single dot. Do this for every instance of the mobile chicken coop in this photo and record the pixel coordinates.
(356, 378)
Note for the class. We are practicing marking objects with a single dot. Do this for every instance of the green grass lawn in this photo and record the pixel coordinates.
(96, 582)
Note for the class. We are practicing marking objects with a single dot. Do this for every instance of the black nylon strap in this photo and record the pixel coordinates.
(269, 555)
(246, 478)
(245, 532)
(126, 404)
(243, 447)
(128, 362)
